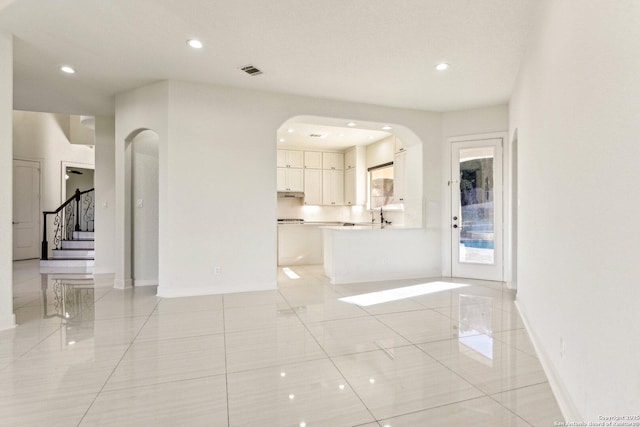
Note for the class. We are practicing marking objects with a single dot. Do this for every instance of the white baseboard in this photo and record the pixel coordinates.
(122, 283)
(140, 282)
(8, 322)
(565, 402)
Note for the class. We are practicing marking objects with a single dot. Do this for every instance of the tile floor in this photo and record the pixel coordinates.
(86, 354)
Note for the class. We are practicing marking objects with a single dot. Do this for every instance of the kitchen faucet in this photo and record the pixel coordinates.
(382, 220)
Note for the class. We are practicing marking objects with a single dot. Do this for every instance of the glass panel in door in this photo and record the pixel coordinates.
(477, 223)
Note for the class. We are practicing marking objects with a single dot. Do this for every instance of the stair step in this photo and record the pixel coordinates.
(78, 244)
(83, 235)
(66, 266)
(73, 253)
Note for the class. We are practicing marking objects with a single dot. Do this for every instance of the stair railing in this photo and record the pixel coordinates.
(76, 214)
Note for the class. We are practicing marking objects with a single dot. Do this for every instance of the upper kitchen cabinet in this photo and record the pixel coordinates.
(350, 159)
(290, 159)
(290, 179)
(399, 177)
(355, 176)
(313, 160)
(312, 186)
(332, 187)
(399, 146)
(332, 161)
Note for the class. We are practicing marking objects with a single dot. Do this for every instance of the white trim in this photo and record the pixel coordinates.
(8, 322)
(565, 402)
(123, 283)
(163, 292)
(506, 198)
(145, 282)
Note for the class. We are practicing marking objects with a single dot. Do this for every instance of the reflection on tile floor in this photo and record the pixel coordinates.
(85, 354)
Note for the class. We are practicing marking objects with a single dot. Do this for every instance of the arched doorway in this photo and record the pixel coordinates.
(142, 205)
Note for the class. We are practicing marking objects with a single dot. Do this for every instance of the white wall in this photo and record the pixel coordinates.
(575, 109)
(460, 123)
(79, 133)
(144, 182)
(105, 233)
(220, 168)
(7, 318)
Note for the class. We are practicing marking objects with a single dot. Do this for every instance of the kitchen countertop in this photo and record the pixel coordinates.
(342, 226)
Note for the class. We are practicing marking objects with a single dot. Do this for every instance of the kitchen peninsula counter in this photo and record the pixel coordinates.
(363, 253)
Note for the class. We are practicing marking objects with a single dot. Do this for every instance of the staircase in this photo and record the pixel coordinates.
(77, 253)
(73, 236)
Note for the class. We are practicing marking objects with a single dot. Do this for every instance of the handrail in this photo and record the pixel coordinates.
(60, 224)
(71, 199)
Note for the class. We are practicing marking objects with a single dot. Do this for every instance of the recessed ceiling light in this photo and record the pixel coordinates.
(386, 127)
(351, 124)
(442, 66)
(67, 69)
(341, 134)
(281, 139)
(195, 43)
(290, 130)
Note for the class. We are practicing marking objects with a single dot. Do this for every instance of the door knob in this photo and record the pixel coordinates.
(455, 225)
(455, 218)
(14, 222)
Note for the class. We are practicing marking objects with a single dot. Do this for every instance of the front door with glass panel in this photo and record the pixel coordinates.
(476, 209)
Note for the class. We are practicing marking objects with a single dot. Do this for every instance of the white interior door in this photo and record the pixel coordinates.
(26, 209)
(476, 209)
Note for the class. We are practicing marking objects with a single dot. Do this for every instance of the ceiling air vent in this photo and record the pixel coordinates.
(251, 70)
(317, 135)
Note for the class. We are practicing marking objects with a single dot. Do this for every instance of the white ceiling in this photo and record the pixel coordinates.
(372, 51)
(334, 134)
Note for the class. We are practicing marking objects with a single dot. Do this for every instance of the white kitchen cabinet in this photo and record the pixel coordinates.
(300, 244)
(355, 177)
(333, 187)
(332, 161)
(399, 177)
(312, 186)
(290, 159)
(350, 159)
(313, 160)
(350, 187)
(399, 146)
(289, 179)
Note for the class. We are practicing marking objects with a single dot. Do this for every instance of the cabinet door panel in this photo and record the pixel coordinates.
(295, 179)
(296, 159)
(313, 160)
(282, 179)
(313, 187)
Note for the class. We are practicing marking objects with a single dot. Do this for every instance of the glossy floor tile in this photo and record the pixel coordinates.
(308, 393)
(401, 380)
(306, 354)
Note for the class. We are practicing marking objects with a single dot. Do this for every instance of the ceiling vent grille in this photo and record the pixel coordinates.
(317, 135)
(251, 70)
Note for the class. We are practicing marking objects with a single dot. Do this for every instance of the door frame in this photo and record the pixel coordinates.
(40, 162)
(507, 201)
(63, 182)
